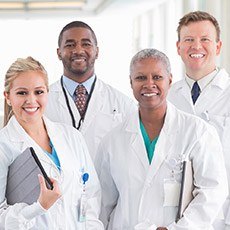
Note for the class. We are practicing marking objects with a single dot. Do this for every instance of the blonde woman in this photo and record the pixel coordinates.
(61, 149)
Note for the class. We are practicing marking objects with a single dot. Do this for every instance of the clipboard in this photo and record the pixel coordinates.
(187, 187)
(22, 179)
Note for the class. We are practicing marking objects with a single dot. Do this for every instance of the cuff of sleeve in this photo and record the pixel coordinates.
(32, 211)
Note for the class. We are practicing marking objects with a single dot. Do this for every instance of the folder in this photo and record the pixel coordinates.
(22, 180)
(187, 187)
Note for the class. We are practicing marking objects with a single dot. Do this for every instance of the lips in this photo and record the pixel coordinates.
(150, 94)
(78, 59)
(197, 55)
(31, 110)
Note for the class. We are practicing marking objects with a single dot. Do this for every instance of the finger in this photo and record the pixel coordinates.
(56, 186)
(42, 182)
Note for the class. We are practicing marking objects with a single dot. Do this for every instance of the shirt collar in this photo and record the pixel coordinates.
(203, 82)
(71, 85)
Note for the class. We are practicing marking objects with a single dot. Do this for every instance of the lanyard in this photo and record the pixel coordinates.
(69, 107)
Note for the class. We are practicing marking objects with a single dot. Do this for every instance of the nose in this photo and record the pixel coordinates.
(78, 49)
(196, 44)
(30, 99)
(150, 83)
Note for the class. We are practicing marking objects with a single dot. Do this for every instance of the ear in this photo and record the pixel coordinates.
(7, 98)
(218, 47)
(59, 54)
(97, 52)
(170, 80)
(178, 47)
(130, 80)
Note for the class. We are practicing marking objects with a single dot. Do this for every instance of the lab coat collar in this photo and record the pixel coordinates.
(95, 104)
(184, 89)
(18, 134)
(22, 140)
(166, 140)
(221, 79)
(168, 126)
(164, 143)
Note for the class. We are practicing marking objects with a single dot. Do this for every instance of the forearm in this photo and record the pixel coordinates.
(12, 217)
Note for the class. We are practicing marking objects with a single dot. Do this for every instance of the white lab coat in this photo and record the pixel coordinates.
(133, 191)
(213, 105)
(74, 159)
(106, 109)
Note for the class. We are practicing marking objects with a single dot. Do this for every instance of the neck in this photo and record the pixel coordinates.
(79, 78)
(39, 134)
(153, 121)
(34, 129)
(197, 75)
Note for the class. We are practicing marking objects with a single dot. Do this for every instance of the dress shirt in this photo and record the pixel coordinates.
(71, 85)
(204, 81)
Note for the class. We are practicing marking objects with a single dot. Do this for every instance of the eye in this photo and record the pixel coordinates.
(205, 39)
(38, 92)
(157, 77)
(86, 44)
(188, 39)
(21, 93)
(70, 45)
(140, 78)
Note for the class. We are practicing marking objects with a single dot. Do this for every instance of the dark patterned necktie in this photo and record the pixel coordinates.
(195, 92)
(81, 99)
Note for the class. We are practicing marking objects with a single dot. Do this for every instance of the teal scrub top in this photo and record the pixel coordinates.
(149, 145)
(53, 156)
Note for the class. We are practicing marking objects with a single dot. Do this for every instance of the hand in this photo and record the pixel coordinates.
(48, 197)
(161, 228)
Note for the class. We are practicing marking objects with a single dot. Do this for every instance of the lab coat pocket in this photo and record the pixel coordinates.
(105, 122)
(171, 192)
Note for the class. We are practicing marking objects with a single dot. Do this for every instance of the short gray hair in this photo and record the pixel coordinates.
(151, 53)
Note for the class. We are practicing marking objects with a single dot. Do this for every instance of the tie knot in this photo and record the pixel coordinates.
(80, 89)
(195, 92)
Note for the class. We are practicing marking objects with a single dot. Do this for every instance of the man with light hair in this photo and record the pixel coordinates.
(205, 89)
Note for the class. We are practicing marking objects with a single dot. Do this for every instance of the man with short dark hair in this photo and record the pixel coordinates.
(79, 98)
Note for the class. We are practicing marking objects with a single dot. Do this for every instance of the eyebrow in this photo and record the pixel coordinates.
(83, 39)
(23, 88)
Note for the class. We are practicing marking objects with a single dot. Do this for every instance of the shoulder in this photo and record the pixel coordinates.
(178, 84)
(191, 123)
(56, 86)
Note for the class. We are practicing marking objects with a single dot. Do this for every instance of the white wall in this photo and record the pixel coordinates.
(121, 33)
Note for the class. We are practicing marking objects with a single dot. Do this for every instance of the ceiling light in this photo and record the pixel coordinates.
(50, 5)
(11, 5)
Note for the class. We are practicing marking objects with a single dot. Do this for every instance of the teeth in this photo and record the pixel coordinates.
(149, 94)
(78, 59)
(197, 55)
(30, 109)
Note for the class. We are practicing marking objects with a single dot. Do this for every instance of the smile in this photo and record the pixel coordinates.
(149, 94)
(78, 59)
(196, 55)
(31, 109)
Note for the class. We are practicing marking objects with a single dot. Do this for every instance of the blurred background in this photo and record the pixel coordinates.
(123, 27)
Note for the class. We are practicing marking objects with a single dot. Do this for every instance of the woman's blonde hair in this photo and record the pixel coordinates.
(21, 65)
